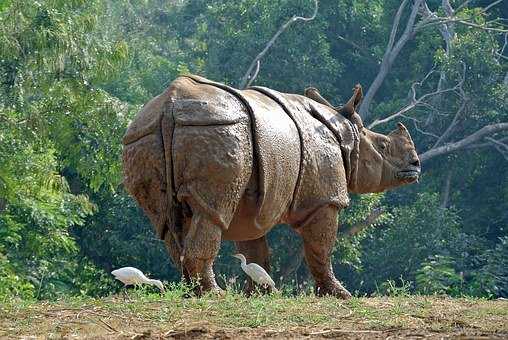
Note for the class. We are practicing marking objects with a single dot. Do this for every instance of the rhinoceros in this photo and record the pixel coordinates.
(207, 162)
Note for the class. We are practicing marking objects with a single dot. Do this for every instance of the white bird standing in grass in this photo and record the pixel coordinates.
(131, 276)
(257, 273)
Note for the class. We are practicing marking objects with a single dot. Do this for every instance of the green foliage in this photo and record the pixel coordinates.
(437, 275)
(52, 121)
(347, 252)
(488, 278)
(414, 232)
(120, 235)
(73, 73)
(12, 284)
(492, 277)
(231, 34)
(394, 289)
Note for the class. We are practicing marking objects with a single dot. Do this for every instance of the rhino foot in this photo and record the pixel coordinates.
(216, 291)
(333, 288)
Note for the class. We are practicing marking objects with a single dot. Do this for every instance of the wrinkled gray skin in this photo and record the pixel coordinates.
(207, 162)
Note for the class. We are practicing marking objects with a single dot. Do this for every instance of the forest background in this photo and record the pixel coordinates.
(74, 72)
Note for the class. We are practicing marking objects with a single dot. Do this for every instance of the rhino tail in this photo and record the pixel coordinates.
(171, 225)
(148, 171)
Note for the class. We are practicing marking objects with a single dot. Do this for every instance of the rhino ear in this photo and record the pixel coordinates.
(402, 129)
(350, 107)
(313, 93)
(358, 94)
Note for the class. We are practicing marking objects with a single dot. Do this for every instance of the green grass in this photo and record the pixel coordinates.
(239, 316)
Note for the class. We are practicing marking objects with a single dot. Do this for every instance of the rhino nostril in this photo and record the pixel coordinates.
(415, 163)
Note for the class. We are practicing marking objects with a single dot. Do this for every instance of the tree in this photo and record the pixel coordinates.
(53, 122)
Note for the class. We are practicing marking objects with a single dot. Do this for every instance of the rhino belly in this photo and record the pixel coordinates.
(244, 225)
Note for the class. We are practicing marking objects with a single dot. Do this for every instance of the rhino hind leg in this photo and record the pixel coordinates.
(256, 251)
(201, 245)
(319, 235)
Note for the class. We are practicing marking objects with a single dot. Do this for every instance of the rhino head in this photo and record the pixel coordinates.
(384, 161)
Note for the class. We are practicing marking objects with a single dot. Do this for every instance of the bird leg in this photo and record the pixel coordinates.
(319, 235)
(256, 251)
(125, 295)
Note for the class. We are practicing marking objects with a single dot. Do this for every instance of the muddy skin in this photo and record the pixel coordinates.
(207, 162)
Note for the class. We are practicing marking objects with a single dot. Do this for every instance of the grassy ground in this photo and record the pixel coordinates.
(234, 316)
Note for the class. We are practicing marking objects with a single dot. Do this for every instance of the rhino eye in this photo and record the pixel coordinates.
(382, 145)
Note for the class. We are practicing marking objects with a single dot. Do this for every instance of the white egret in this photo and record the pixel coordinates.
(257, 273)
(131, 276)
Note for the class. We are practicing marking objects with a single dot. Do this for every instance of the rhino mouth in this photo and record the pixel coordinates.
(411, 174)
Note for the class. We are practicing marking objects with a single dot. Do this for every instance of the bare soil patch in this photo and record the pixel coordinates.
(237, 317)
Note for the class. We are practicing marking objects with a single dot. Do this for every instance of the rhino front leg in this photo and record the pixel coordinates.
(319, 235)
(256, 251)
(201, 245)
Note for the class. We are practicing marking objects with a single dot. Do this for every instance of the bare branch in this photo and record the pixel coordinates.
(251, 79)
(500, 54)
(484, 145)
(465, 142)
(247, 75)
(414, 102)
(395, 26)
(359, 48)
(499, 146)
(463, 5)
(452, 125)
(368, 221)
(498, 143)
(445, 29)
(472, 24)
(444, 20)
(422, 131)
(392, 51)
(491, 5)
(446, 192)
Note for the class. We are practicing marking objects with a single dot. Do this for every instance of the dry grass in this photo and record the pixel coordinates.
(234, 316)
